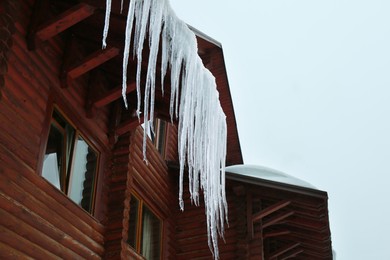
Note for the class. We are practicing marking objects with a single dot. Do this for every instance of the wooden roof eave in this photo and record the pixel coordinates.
(314, 193)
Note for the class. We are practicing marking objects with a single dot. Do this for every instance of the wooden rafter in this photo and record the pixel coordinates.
(271, 209)
(291, 254)
(112, 95)
(128, 125)
(274, 220)
(283, 250)
(276, 233)
(116, 114)
(52, 27)
(92, 61)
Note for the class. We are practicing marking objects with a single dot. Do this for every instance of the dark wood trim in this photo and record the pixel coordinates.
(283, 250)
(271, 209)
(92, 61)
(129, 125)
(276, 233)
(40, 31)
(276, 219)
(112, 95)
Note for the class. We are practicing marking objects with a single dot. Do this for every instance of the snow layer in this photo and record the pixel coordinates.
(202, 123)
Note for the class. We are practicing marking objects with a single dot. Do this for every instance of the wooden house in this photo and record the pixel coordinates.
(73, 183)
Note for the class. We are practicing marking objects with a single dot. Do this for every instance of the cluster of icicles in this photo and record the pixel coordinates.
(202, 124)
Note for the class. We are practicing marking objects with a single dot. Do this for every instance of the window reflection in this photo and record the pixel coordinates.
(145, 230)
(70, 163)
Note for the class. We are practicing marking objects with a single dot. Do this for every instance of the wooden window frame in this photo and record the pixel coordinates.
(141, 204)
(67, 171)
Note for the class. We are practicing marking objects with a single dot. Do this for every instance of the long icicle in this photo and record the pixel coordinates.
(202, 129)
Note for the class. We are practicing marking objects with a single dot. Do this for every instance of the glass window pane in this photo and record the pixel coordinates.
(151, 235)
(53, 164)
(81, 182)
(133, 221)
(50, 169)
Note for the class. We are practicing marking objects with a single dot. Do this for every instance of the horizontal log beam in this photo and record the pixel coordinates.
(63, 21)
(43, 32)
(92, 61)
(129, 125)
(291, 254)
(277, 218)
(112, 95)
(276, 233)
(271, 209)
(283, 250)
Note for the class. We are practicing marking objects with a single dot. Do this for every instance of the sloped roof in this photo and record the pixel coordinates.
(261, 172)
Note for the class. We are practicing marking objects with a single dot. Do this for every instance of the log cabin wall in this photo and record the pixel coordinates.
(156, 186)
(37, 220)
(191, 231)
(117, 198)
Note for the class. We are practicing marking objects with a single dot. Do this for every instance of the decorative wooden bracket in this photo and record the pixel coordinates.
(276, 219)
(276, 233)
(270, 209)
(40, 32)
(112, 95)
(291, 254)
(258, 217)
(116, 114)
(128, 125)
(92, 61)
(283, 250)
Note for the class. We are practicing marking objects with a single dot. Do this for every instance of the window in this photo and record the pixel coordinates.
(145, 230)
(70, 163)
(159, 136)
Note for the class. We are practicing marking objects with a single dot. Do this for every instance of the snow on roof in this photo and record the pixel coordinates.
(261, 172)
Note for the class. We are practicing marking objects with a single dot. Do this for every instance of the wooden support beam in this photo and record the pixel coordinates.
(41, 32)
(92, 61)
(283, 250)
(115, 119)
(249, 206)
(112, 95)
(274, 220)
(39, 14)
(276, 233)
(271, 209)
(95, 87)
(128, 125)
(291, 254)
(63, 21)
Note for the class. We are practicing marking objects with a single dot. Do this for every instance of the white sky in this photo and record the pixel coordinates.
(310, 81)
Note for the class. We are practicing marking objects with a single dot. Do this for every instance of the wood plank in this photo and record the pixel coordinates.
(8, 252)
(20, 243)
(291, 254)
(63, 21)
(92, 61)
(276, 233)
(277, 218)
(271, 209)
(36, 236)
(129, 125)
(112, 95)
(31, 218)
(47, 208)
(283, 250)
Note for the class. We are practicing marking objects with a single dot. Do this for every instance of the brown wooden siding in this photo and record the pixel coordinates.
(117, 197)
(156, 186)
(36, 219)
(191, 232)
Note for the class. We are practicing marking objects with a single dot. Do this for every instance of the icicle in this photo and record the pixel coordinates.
(106, 23)
(202, 129)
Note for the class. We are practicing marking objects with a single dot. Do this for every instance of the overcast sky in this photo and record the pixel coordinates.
(310, 82)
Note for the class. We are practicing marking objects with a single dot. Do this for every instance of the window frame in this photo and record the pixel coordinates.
(159, 137)
(139, 224)
(56, 100)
